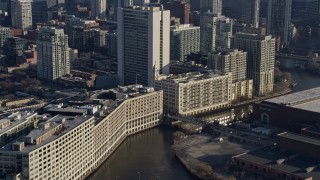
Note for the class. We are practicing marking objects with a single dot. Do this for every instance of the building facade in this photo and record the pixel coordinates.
(260, 60)
(4, 34)
(39, 11)
(72, 147)
(214, 6)
(143, 36)
(290, 111)
(305, 11)
(279, 19)
(195, 93)
(252, 12)
(21, 14)
(216, 31)
(53, 54)
(14, 47)
(235, 62)
(98, 9)
(229, 60)
(184, 40)
(179, 9)
(112, 43)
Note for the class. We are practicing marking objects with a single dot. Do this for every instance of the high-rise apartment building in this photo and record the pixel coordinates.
(98, 9)
(279, 19)
(21, 14)
(184, 40)
(229, 60)
(261, 58)
(214, 6)
(216, 31)
(5, 33)
(143, 35)
(53, 54)
(81, 38)
(195, 93)
(252, 12)
(179, 9)
(235, 62)
(223, 32)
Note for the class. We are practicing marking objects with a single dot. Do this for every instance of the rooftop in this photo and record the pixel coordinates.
(307, 100)
(67, 110)
(285, 161)
(68, 123)
(192, 76)
(298, 137)
(16, 119)
(226, 51)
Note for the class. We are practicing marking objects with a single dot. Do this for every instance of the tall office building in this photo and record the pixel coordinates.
(179, 9)
(98, 9)
(214, 6)
(143, 36)
(216, 31)
(279, 19)
(53, 54)
(21, 14)
(261, 58)
(252, 12)
(184, 40)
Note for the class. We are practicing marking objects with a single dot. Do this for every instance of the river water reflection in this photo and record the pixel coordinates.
(148, 153)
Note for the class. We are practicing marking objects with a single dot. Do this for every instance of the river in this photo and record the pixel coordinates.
(149, 152)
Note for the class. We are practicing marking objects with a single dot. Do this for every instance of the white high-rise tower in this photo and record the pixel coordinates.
(143, 44)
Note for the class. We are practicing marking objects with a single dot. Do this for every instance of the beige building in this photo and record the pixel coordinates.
(261, 59)
(242, 90)
(233, 61)
(229, 60)
(195, 93)
(71, 147)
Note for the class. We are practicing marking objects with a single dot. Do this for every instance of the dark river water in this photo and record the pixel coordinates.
(149, 152)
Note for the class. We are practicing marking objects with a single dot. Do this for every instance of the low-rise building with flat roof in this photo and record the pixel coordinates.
(293, 157)
(290, 111)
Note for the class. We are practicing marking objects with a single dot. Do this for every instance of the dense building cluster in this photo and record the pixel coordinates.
(68, 141)
(190, 56)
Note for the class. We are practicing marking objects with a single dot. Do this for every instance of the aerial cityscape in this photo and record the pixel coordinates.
(160, 89)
